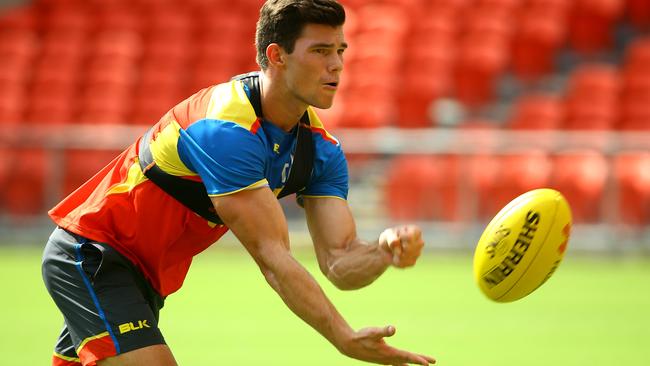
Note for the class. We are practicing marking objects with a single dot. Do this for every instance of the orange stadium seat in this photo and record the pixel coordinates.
(422, 187)
(581, 176)
(632, 181)
(537, 112)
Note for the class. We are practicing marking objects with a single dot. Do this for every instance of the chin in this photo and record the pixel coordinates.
(323, 104)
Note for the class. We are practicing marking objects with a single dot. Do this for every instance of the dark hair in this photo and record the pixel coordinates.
(282, 22)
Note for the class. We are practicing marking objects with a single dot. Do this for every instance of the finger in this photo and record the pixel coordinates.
(379, 333)
(413, 358)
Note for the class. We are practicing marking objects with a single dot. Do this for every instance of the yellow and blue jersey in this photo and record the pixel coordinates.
(213, 137)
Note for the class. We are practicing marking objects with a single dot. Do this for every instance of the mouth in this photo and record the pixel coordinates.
(333, 84)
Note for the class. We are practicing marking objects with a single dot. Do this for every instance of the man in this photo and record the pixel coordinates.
(126, 238)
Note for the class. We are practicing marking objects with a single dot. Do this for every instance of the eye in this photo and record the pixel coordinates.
(322, 51)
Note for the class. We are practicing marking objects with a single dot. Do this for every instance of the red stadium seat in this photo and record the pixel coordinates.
(423, 188)
(638, 13)
(595, 81)
(591, 24)
(121, 17)
(479, 64)
(52, 106)
(23, 192)
(12, 104)
(174, 19)
(73, 17)
(581, 176)
(636, 84)
(63, 47)
(481, 177)
(150, 105)
(635, 114)
(537, 112)
(372, 110)
(81, 165)
(117, 46)
(586, 114)
(19, 18)
(592, 98)
(538, 38)
(632, 179)
(19, 46)
(518, 172)
(426, 76)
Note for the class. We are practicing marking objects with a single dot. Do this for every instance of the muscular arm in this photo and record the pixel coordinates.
(256, 219)
(347, 261)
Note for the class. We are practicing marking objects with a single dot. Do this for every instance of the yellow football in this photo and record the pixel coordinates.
(523, 245)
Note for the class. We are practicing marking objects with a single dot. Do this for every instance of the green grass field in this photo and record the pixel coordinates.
(592, 312)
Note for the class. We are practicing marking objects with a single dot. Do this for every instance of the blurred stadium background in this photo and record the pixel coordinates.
(448, 109)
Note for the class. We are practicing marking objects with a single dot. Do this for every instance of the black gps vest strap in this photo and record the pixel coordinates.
(193, 194)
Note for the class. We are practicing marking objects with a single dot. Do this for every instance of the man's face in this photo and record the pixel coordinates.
(314, 67)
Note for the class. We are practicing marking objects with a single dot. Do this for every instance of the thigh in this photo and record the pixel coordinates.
(159, 355)
(100, 295)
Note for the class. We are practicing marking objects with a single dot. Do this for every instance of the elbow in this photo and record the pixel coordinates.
(345, 283)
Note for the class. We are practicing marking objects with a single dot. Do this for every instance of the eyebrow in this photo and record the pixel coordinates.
(328, 45)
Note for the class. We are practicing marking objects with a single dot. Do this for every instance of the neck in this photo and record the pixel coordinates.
(278, 105)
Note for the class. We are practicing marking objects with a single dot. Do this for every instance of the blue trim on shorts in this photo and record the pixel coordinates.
(77, 248)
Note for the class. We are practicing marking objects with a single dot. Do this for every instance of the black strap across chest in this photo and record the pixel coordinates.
(193, 194)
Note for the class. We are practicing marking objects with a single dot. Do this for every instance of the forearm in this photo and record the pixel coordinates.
(358, 266)
(302, 294)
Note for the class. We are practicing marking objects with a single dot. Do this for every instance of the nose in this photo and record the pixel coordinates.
(336, 63)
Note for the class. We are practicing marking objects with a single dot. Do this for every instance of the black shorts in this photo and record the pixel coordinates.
(108, 307)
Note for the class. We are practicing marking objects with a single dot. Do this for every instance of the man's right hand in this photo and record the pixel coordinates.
(368, 345)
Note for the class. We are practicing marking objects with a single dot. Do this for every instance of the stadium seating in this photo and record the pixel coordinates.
(423, 188)
(81, 165)
(632, 178)
(128, 62)
(591, 24)
(23, 190)
(581, 176)
(536, 112)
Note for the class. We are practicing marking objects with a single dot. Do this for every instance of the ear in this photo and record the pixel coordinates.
(275, 54)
